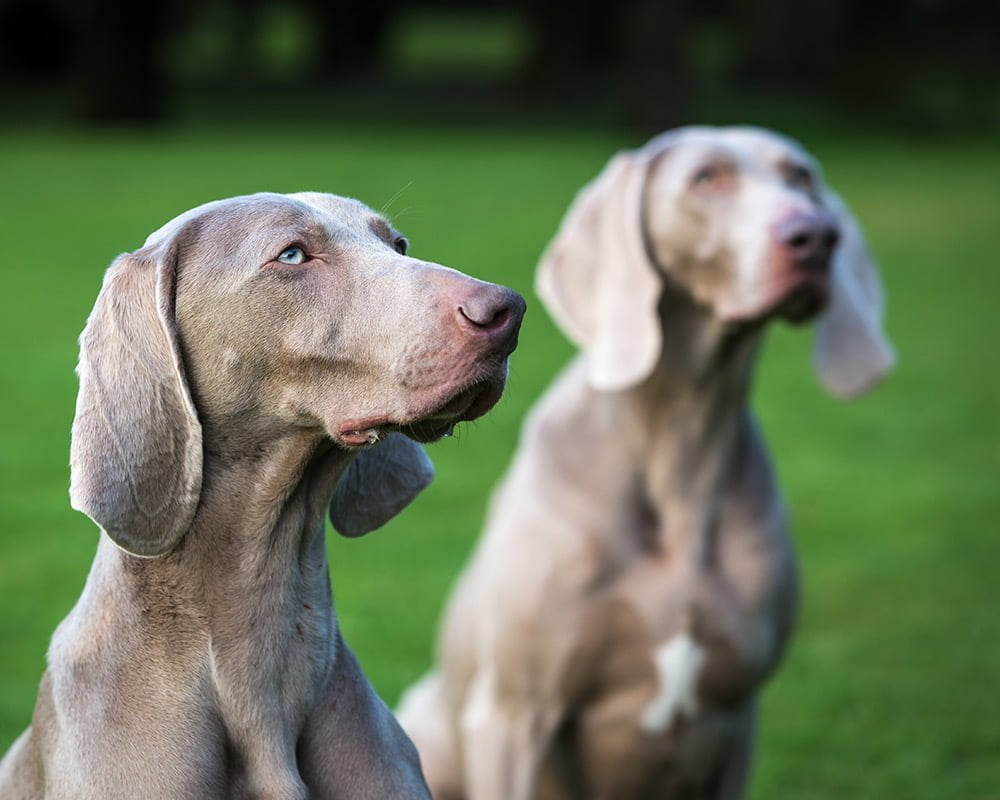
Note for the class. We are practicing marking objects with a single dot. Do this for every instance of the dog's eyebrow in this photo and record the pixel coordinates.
(381, 228)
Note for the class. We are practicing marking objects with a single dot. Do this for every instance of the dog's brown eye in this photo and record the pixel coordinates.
(715, 177)
(800, 177)
(705, 175)
(401, 245)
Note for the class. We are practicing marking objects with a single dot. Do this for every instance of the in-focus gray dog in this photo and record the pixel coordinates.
(636, 582)
(255, 363)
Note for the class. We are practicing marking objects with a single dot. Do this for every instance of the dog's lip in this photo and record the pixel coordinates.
(803, 300)
(428, 426)
(798, 297)
(359, 432)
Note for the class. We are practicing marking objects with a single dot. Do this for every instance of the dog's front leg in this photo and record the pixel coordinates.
(505, 736)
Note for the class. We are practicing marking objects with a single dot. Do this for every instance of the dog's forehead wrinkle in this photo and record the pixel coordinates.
(749, 148)
(346, 211)
(266, 220)
(215, 230)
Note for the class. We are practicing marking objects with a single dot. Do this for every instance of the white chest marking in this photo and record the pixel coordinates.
(678, 663)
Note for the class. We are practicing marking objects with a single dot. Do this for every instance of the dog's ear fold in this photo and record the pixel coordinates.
(597, 281)
(136, 452)
(378, 484)
(852, 351)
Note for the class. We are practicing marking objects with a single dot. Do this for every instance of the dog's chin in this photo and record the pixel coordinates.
(467, 405)
(796, 303)
(803, 302)
(434, 419)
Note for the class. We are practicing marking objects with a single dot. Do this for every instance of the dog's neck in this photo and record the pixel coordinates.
(694, 421)
(250, 580)
(272, 495)
(268, 501)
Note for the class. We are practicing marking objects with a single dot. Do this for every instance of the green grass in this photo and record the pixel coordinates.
(890, 686)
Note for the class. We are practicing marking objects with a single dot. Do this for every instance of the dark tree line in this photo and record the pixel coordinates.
(111, 53)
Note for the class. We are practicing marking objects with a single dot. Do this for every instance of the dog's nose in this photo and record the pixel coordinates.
(809, 238)
(494, 311)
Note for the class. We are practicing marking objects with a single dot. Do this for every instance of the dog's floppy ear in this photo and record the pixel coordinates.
(597, 281)
(852, 351)
(136, 453)
(378, 484)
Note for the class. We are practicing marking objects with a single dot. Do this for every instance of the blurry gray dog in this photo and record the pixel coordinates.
(251, 366)
(636, 582)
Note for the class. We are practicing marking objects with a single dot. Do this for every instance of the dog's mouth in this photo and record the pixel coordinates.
(467, 405)
(436, 422)
(803, 301)
(795, 299)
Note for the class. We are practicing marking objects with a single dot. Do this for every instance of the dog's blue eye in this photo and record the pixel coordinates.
(292, 255)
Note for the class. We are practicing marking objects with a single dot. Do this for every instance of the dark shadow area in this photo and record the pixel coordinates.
(646, 65)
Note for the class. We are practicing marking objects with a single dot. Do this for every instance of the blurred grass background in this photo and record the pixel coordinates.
(889, 689)
(890, 686)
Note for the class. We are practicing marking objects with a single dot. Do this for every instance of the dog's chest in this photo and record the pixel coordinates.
(641, 726)
(669, 682)
(269, 666)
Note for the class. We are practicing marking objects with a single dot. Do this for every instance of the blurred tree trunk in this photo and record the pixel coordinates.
(570, 46)
(581, 48)
(20, 57)
(787, 42)
(654, 77)
(118, 75)
(351, 34)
